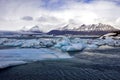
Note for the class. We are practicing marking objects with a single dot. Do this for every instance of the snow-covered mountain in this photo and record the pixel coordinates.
(33, 29)
(91, 27)
(24, 29)
(76, 29)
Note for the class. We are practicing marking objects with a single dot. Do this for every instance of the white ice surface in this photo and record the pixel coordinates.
(9, 57)
(4, 64)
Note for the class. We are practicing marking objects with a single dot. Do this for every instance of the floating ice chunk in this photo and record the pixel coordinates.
(14, 43)
(73, 47)
(76, 44)
(48, 43)
(97, 42)
(109, 41)
(105, 46)
(30, 43)
(78, 40)
(3, 40)
(117, 43)
(66, 39)
(92, 46)
(62, 43)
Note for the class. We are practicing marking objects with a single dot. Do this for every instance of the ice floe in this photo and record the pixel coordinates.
(11, 57)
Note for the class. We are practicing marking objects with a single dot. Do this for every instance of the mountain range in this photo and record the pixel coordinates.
(92, 29)
(34, 29)
(73, 29)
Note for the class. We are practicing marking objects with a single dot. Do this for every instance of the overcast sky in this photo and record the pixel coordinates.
(49, 14)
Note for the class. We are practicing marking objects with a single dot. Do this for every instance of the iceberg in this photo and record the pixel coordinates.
(73, 47)
(14, 43)
(3, 40)
(77, 44)
(61, 44)
(92, 46)
(24, 43)
(30, 43)
(65, 42)
(67, 45)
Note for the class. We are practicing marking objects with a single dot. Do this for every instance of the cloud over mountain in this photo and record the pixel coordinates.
(15, 14)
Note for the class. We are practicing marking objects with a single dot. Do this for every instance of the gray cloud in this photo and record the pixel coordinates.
(46, 18)
(27, 18)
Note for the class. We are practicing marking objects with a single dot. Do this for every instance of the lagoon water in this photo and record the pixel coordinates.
(99, 64)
